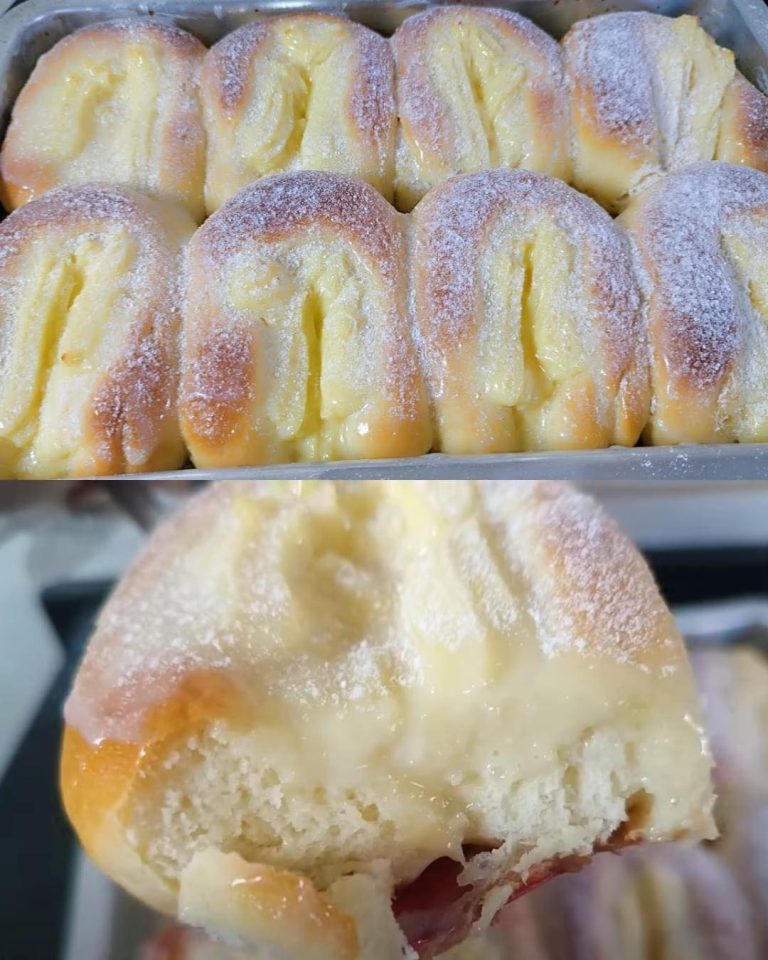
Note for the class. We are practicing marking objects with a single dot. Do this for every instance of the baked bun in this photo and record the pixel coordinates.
(297, 342)
(651, 94)
(88, 336)
(702, 236)
(733, 686)
(744, 125)
(671, 900)
(477, 88)
(530, 317)
(668, 900)
(305, 700)
(299, 92)
(114, 102)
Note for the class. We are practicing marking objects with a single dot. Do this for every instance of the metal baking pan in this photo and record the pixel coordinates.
(30, 29)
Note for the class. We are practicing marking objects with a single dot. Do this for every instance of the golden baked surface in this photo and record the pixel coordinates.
(114, 102)
(702, 236)
(298, 92)
(504, 314)
(650, 94)
(88, 334)
(624, 99)
(353, 681)
(530, 317)
(476, 89)
(297, 341)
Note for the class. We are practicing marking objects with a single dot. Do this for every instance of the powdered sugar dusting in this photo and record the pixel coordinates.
(143, 28)
(611, 607)
(434, 136)
(123, 397)
(294, 227)
(608, 56)
(301, 91)
(754, 123)
(454, 226)
(466, 224)
(88, 204)
(373, 94)
(696, 299)
(276, 206)
(230, 60)
(121, 101)
(349, 595)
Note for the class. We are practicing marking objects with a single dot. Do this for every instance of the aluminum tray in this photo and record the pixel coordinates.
(32, 28)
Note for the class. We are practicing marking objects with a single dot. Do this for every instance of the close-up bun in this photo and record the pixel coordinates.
(89, 323)
(650, 94)
(667, 900)
(297, 341)
(336, 717)
(298, 92)
(476, 88)
(702, 235)
(116, 103)
(529, 315)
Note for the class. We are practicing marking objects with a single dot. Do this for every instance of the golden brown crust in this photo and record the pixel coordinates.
(646, 97)
(567, 536)
(267, 907)
(555, 361)
(701, 235)
(99, 780)
(118, 63)
(299, 91)
(90, 323)
(477, 88)
(348, 293)
(744, 126)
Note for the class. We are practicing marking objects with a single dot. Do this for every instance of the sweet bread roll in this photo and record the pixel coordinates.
(477, 88)
(88, 335)
(650, 94)
(114, 102)
(702, 236)
(693, 907)
(297, 342)
(664, 901)
(299, 92)
(310, 709)
(744, 125)
(733, 689)
(530, 317)
(671, 900)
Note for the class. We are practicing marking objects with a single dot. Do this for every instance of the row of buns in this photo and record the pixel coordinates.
(624, 99)
(308, 320)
